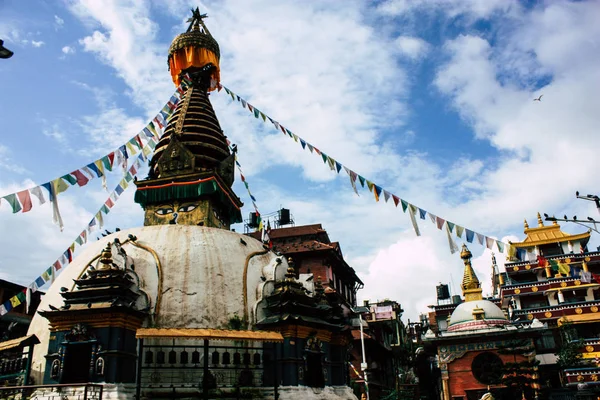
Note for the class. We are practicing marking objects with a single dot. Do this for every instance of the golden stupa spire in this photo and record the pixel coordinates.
(471, 286)
(540, 222)
(526, 224)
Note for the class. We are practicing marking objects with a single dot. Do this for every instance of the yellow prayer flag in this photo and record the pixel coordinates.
(99, 165)
(15, 301)
(59, 185)
(376, 195)
(370, 185)
(146, 151)
(130, 147)
(563, 268)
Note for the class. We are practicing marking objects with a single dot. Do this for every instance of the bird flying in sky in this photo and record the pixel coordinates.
(539, 98)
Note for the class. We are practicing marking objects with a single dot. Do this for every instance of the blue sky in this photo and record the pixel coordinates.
(430, 99)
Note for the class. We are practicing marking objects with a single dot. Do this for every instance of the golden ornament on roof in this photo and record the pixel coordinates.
(195, 48)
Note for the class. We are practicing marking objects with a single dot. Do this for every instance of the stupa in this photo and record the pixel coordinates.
(176, 306)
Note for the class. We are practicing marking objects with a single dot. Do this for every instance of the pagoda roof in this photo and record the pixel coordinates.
(547, 234)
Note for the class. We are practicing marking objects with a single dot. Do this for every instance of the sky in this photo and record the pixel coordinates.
(430, 99)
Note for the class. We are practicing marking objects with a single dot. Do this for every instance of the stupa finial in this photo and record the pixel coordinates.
(539, 218)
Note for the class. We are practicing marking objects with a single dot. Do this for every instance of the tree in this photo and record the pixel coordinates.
(518, 374)
(569, 353)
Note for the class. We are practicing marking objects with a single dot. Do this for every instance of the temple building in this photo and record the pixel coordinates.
(184, 306)
(474, 347)
(550, 277)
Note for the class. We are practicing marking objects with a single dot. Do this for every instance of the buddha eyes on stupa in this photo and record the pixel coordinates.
(164, 211)
(187, 208)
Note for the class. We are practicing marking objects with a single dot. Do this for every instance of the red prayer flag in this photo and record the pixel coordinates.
(82, 180)
(596, 277)
(109, 203)
(139, 140)
(439, 222)
(396, 199)
(111, 158)
(57, 265)
(542, 262)
(25, 200)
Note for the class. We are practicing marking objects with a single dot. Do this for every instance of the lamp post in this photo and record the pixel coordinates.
(4, 52)
(363, 364)
(590, 197)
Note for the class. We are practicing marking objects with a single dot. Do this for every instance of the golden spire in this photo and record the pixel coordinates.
(526, 224)
(540, 222)
(106, 258)
(470, 284)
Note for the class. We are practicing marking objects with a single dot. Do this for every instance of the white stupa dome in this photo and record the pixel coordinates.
(476, 315)
(191, 277)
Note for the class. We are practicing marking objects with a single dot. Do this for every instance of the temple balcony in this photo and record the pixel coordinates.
(588, 375)
(586, 311)
(532, 265)
(553, 284)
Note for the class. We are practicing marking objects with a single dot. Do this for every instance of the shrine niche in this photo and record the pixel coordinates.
(176, 160)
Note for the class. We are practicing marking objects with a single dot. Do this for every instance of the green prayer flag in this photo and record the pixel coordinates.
(256, 112)
(129, 177)
(553, 265)
(500, 246)
(21, 296)
(105, 209)
(135, 143)
(151, 144)
(404, 205)
(361, 180)
(69, 178)
(79, 240)
(14, 203)
(324, 156)
(106, 162)
(289, 132)
(450, 225)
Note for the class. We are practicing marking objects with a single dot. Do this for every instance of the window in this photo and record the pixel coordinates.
(545, 342)
(487, 368)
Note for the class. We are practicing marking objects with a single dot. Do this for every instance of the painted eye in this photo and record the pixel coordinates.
(187, 208)
(164, 211)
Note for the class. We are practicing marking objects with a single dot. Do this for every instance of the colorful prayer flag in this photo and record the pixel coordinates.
(14, 203)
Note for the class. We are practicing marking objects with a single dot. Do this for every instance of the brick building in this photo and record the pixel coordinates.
(470, 350)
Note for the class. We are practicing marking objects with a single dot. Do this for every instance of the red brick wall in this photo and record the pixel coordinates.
(460, 377)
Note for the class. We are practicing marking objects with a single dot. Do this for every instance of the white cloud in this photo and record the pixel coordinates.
(8, 164)
(36, 43)
(541, 141)
(58, 22)
(453, 8)
(412, 47)
(68, 50)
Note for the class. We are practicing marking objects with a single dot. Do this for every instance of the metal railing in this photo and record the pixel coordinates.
(58, 391)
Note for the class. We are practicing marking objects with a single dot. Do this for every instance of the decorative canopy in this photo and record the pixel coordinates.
(196, 48)
(22, 341)
(214, 334)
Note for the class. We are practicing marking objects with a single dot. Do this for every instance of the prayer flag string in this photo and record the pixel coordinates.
(378, 191)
